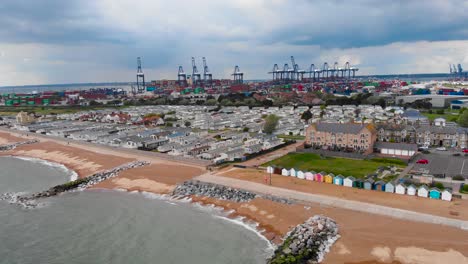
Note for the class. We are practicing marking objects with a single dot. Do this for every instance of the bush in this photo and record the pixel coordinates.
(464, 188)
(439, 185)
(440, 111)
(458, 178)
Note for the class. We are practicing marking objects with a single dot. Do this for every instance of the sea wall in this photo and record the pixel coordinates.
(11, 146)
(307, 242)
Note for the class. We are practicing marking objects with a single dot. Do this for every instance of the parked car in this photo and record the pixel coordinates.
(422, 161)
(465, 150)
(441, 148)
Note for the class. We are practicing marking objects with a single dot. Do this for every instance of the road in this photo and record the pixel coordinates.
(334, 202)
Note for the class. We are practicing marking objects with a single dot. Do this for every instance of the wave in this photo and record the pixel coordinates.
(71, 173)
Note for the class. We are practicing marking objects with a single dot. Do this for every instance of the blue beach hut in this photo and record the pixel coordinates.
(434, 193)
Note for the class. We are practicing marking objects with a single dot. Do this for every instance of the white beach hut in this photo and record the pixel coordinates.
(270, 169)
(348, 181)
(447, 195)
(293, 172)
(300, 174)
(400, 188)
(411, 190)
(389, 187)
(423, 191)
(309, 176)
(285, 172)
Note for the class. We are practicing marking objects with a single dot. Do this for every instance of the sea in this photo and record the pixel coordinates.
(109, 226)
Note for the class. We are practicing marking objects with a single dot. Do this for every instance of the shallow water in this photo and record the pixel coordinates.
(113, 227)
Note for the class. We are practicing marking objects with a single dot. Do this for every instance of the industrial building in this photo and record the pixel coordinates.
(437, 101)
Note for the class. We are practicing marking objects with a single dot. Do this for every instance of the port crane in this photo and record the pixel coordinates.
(196, 76)
(140, 78)
(182, 77)
(275, 72)
(238, 75)
(297, 73)
(207, 76)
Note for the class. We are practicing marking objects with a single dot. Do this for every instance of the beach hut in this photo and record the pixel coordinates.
(319, 177)
(447, 195)
(270, 169)
(434, 193)
(423, 191)
(277, 170)
(349, 181)
(293, 172)
(338, 180)
(368, 183)
(379, 186)
(400, 188)
(411, 190)
(328, 178)
(285, 172)
(309, 176)
(358, 183)
(300, 174)
(389, 187)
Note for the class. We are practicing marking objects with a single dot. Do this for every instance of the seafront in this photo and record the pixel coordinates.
(364, 236)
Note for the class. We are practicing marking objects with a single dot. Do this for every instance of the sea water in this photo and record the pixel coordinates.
(113, 227)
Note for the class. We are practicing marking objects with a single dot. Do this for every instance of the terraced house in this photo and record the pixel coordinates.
(337, 136)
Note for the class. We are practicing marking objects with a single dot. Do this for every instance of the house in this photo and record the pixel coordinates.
(411, 190)
(309, 175)
(292, 172)
(300, 174)
(434, 193)
(319, 177)
(336, 136)
(400, 188)
(285, 172)
(368, 184)
(389, 187)
(423, 191)
(338, 180)
(328, 178)
(447, 195)
(349, 181)
(379, 186)
(358, 183)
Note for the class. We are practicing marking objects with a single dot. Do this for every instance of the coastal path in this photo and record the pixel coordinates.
(333, 202)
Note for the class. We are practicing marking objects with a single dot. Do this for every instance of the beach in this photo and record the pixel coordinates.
(365, 237)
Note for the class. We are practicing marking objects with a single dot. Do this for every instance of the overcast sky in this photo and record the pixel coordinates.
(69, 41)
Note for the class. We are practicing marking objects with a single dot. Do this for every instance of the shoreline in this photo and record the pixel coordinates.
(73, 175)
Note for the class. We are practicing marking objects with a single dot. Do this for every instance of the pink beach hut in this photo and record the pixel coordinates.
(319, 177)
(310, 175)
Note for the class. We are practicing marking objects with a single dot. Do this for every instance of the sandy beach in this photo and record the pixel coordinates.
(365, 238)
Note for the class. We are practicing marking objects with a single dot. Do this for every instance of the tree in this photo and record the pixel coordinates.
(211, 102)
(245, 129)
(463, 119)
(271, 122)
(306, 115)
(187, 124)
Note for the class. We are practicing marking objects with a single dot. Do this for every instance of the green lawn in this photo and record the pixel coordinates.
(292, 137)
(343, 166)
(449, 115)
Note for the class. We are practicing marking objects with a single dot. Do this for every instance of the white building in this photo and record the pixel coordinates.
(400, 189)
(423, 191)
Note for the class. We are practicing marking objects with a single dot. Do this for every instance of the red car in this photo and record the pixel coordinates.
(465, 150)
(422, 161)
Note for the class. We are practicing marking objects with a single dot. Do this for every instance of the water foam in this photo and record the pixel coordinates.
(73, 175)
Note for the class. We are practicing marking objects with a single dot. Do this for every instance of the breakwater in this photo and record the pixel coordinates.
(11, 146)
(29, 200)
(307, 242)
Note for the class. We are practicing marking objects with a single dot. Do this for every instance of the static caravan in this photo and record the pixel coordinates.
(389, 187)
(400, 188)
(349, 181)
(338, 180)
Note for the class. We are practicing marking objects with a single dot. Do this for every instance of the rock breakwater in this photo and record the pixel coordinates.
(213, 190)
(307, 242)
(11, 146)
(29, 201)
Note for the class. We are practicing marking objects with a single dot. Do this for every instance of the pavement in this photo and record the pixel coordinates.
(334, 202)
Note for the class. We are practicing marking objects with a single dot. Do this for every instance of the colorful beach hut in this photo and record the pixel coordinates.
(285, 172)
(358, 183)
(349, 181)
(423, 191)
(379, 186)
(368, 184)
(300, 175)
(411, 190)
(338, 180)
(328, 178)
(434, 193)
(309, 175)
(293, 172)
(389, 187)
(319, 177)
(447, 195)
(400, 188)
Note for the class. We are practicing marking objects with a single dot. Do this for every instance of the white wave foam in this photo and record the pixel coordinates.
(71, 173)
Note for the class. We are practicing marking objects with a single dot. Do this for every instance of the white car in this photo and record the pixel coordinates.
(441, 148)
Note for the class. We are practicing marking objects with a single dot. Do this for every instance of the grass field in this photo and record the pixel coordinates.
(291, 137)
(343, 166)
(449, 115)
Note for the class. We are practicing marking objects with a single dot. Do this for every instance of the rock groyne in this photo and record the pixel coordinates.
(213, 190)
(11, 146)
(307, 242)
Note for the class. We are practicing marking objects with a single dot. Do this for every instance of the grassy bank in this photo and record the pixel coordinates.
(343, 166)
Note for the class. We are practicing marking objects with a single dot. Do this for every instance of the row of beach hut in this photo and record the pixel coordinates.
(367, 184)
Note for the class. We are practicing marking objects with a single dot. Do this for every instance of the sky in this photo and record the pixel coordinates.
(82, 41)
